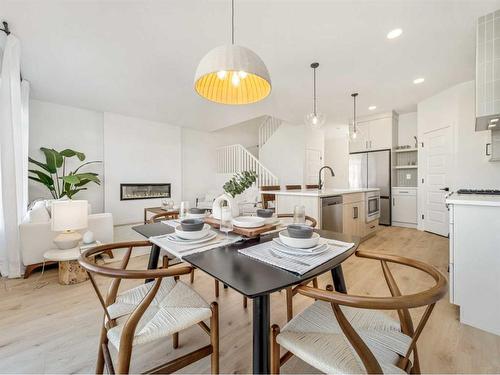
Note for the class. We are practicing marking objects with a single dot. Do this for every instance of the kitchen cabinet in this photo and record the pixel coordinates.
(377, 132)
(354, 218)
(474, 259)
(404, 207)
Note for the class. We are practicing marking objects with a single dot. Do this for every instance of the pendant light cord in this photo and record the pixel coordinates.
(232, 21)
(314, 91)
(354, 114)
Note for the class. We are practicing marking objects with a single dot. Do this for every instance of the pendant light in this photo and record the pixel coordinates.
(315, 119)
(354, 133)
(232, 74)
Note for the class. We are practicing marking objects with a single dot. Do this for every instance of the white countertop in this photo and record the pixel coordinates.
(474, 199)
(318, 193)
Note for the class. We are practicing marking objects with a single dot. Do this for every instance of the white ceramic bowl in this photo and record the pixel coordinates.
(249, 221)
(192, 235)
(300, 243)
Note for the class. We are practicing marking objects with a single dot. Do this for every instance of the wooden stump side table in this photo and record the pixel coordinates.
(70, 271)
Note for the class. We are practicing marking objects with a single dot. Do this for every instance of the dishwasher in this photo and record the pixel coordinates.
(331, 213)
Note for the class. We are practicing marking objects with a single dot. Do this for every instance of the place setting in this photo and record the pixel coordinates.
(297, 249)
(192, 235)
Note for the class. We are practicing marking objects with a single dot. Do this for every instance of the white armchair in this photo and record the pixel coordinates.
(37, 238)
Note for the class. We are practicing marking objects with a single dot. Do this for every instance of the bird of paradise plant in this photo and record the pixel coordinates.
(52, 174)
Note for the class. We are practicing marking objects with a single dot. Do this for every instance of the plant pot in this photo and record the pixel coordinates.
(231, 204)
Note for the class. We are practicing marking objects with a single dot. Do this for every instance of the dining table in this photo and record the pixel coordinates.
(252, 278)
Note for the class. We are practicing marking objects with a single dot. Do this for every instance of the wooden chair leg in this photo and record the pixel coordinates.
(416, 365)
(192, 276)
(315, 282)
(214, 338)
(245, 302)
(99, 369)
(216, 288)
(165, 262)
(175, 340)
(289, 304)
(275, 350)
(124, 354)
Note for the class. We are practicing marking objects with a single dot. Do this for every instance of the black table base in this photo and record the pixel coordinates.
(261, 328)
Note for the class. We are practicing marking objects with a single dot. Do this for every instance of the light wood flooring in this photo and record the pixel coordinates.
(54, 329)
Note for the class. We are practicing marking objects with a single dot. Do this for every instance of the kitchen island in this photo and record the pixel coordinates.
(475, 259)
(340, 210)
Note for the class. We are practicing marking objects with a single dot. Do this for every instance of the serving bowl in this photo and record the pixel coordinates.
(265, 212)
(300, 243)
(192, 225)
(300, 231)
(192, 235)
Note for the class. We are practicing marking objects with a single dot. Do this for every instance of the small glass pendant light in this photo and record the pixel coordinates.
(315, 119)
(354, 133)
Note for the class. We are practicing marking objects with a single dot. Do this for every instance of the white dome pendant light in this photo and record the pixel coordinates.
(232, 74)
(315, 119)
(354, 133)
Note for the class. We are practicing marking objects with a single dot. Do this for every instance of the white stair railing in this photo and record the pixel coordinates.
(236, 158)
(267, 129)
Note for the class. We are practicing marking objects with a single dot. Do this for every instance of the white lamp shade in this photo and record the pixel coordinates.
(232, 74)
(69, 215)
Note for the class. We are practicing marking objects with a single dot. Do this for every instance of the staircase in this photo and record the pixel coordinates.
(267, 129)
(236, 158)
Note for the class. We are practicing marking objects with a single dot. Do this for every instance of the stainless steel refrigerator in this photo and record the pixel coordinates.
(373, 170)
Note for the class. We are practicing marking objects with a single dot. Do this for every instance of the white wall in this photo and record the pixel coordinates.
(337, 157)
(470, 167)
(284, 154)
(60, 127)
(407, 129)
(142, 151)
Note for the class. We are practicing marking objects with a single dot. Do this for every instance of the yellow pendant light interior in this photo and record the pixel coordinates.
(232, 74)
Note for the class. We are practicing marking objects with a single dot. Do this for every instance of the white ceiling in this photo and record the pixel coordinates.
(139, 57)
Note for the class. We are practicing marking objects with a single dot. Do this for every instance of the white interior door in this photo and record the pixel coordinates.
(437, 156)
(314, 161)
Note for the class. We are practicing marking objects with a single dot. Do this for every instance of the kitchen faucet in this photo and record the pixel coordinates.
(320, 183)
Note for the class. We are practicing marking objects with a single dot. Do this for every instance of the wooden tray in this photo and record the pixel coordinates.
(247, 232)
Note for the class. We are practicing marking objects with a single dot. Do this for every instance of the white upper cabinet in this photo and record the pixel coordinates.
(378, 132)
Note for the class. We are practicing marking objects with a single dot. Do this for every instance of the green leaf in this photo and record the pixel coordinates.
(44, 178)
(54, 159)
(72, 192)
(84, 164)
(68, 153)
(40, 164)
(71, 179)
(81, 179)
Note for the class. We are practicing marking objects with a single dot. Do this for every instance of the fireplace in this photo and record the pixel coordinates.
(144, 191)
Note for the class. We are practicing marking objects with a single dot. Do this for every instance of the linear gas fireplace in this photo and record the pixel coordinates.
(144, 191)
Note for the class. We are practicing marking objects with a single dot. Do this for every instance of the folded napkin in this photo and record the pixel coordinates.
(180, 250)
(269, 252)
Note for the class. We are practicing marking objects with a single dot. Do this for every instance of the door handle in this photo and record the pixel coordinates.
(355, 212)
(488, 149)
(445, 189)
(394, 201)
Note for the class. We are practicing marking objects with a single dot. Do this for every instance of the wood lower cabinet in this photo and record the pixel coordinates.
(354, 218)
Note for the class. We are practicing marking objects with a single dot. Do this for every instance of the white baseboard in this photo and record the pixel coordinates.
(404, 225)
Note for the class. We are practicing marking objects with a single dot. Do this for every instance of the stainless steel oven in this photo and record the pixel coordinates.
(372, 205)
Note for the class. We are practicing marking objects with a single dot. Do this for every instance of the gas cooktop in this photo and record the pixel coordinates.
(479, 191)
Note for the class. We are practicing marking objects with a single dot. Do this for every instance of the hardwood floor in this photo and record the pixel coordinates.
(54, 329)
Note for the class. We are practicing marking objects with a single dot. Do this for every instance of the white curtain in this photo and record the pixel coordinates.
(14, 126)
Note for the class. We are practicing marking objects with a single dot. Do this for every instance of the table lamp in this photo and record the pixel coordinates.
(68, 216)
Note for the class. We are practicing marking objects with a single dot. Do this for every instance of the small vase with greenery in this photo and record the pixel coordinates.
(240, 182)
(53, 175)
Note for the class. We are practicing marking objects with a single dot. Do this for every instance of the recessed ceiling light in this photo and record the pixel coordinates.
(393, 34)
(418, 80)
(372, 107)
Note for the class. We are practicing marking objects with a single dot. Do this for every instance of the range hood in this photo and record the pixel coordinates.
(488, 72)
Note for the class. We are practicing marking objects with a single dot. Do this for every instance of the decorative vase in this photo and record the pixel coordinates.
(232, 204)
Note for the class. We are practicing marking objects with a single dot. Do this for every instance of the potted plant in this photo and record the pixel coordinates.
(232, 188)
(53, 175)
